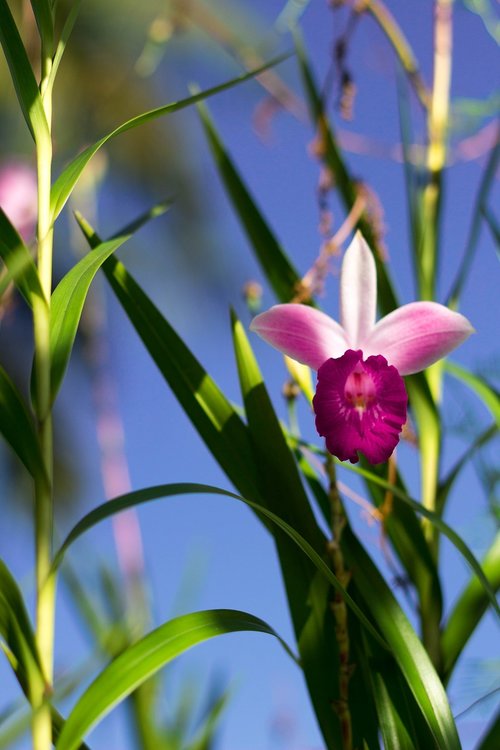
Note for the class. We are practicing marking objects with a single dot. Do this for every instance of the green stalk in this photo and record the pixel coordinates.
(45, 582)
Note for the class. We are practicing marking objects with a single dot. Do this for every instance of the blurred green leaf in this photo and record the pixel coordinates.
(204, 739)
(487, 181)
(406, 647)
(491, 738)
(16, 425)
(281, 275)
(145, 658)
(18, 260)
(488, 395)
(494, 227)
(22, 76)
(63, 186)
(468, 609)
(447, 483)
(63, 39)
(42, 10)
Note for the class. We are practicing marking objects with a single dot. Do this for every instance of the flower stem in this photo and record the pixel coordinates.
(338, 605)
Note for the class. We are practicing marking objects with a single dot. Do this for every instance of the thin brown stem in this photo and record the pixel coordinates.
(338, 606)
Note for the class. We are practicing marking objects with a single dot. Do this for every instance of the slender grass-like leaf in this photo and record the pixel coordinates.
(494, 227)
(17, 633)
(204, 738)
(443, 527)
(16, 425)
(42, 10)
(18, 260)
(487, 181)
(488, 395)
(281, 275)
(144, 658)
(63, 40)
(132, 499)
(468, 609)
(406, 647)
(63, 186)
(447, 483)
(22, 75)
(68, 299)
(491, 738)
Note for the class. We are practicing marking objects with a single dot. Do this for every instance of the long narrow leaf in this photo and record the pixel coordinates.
(18, 260)
(132, 499)
(443, 527)
(143, 659)
(477, 215)
(468, 610)
(63, 186)
(22, 75)
(68, 299)
(17, 427)
(281, 275)
(488, 395)
(406, 647)
(42, 10)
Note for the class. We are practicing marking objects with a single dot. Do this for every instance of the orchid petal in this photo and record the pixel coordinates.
(416, 335)
(358, 292)
(301, 332)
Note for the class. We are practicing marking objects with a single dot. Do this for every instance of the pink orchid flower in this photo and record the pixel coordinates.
(360, 402)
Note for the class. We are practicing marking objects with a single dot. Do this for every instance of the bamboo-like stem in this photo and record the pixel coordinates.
(45, 581)
(338, 605)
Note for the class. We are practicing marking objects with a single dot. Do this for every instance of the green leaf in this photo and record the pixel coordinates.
(435, 519)
(66, 308)
(132, 499)
(447, 483)
(491, 738)
(468, 610)
(372, 592)
(488, 395)
(17, 427)
(278, 270)
(22, 76)
(487, 181)
(42, 11)
(63, 40)
(63, 186)
(16, 630)
(144, 658)
(406, 647)
(18, 260)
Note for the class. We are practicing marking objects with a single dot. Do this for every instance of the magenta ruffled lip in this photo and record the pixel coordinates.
(360, 406)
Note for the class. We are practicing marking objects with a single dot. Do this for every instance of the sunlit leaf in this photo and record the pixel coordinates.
(278, 270)
(66, 308)
(144, 658)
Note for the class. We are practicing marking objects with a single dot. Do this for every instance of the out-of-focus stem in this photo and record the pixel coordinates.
(400, 44)
(338, 605)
